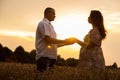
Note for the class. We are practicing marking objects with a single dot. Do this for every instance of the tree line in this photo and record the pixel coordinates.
(22, 56)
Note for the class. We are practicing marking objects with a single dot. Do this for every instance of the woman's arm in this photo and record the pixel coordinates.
(81, 43)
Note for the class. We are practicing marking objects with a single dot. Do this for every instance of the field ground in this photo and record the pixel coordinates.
(18, 71)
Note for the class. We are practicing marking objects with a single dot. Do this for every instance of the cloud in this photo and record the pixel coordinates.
(17, 33)
(112, 21)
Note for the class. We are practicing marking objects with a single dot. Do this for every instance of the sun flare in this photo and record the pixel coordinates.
(72, 25)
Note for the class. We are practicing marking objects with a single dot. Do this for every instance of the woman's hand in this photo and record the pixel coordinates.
(70, 40)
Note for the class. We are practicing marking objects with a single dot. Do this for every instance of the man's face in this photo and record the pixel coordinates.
(52, 15)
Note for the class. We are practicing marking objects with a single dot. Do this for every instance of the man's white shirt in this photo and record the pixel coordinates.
(45, 28)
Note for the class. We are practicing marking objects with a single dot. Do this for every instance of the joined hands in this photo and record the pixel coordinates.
(71, 40)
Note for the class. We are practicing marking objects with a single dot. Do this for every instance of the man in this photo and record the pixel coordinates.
(46, 43)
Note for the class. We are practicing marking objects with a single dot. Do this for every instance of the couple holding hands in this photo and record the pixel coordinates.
(91, 54)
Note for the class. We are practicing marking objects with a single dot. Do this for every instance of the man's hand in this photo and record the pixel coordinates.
(71, 40)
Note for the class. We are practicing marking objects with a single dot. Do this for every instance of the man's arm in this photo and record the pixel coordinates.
(50, 40)
(58, 42)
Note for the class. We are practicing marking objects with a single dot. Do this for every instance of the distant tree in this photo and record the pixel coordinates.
(8, 54)
(72, 62)
(60, 61)
(19, 54)
(5, 54)
(27, 57)
(32, 56)
(114, 65)
(2, 56)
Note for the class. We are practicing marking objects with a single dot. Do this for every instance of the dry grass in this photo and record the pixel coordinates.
(18, 71)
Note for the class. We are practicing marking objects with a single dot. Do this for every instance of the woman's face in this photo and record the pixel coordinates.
(89, 19)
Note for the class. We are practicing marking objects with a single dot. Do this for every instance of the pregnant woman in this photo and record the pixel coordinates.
(91, 55)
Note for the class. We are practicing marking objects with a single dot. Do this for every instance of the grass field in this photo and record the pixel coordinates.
(18, 71)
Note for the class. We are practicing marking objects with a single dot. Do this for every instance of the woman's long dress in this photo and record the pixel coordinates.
(91, 55)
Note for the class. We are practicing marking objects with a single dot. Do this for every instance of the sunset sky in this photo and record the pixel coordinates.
(19, 20)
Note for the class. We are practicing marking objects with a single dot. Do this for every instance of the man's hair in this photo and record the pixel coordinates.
(48, 10)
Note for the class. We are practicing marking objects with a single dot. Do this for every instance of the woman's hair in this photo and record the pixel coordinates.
(97, 20)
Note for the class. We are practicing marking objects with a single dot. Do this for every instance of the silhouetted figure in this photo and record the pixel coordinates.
(46, 43)
(91, 54)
